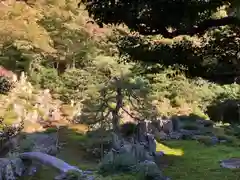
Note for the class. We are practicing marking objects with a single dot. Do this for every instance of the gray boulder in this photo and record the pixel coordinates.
(232, 163)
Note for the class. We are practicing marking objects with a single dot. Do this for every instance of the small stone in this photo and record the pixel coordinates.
(175, 135)
(232, 163)
(161, 135)
(18, 166)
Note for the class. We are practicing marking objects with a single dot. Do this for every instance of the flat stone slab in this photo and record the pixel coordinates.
(232, 163)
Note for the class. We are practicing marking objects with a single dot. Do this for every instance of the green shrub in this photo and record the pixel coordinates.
(96, 142)
(190, 126)
(50, 130)
(5, 85)
(128, 129)
(226, 111)
(233, 131)
(207, 140)
(46, 78)
(228, 139)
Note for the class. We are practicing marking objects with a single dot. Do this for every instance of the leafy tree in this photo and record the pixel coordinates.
(216, 56)
(105, 106)
(169, 18)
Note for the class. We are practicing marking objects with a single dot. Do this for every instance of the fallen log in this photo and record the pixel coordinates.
(50, 161)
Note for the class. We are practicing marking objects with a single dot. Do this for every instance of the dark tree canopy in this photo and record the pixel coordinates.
(150, 17)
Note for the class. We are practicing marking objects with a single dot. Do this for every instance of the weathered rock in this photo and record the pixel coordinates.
(32, 127)
(150, 170)
(175, 135)
(48, 160)
(207, 140)
(176, 124)
(18, 166)
(11, 169)
(8, 173)
(18, 109)
(190, 132)
(122, 161)
(161, 135)
(130, 154)
(159, 153)
(32, 116)
(151, 144)
(205, 123)
(157, 124)
(232, 163)
(73, 176)
(116, 142)
(45, 143)
(167, 125)
(142, 129)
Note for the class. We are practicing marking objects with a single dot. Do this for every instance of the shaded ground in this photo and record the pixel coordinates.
(185, 160)
(72, 153)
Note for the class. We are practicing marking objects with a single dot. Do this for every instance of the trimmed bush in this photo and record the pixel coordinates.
(5, 85)
(226, 111)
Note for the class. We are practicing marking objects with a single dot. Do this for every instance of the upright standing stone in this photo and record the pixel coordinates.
(167, 126)
(141, 131)
(151, 144)
(175, 123)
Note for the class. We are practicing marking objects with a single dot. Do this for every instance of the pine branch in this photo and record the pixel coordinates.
(194, 30)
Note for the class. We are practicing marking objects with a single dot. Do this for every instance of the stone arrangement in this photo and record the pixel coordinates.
(175, 128)
(134, 153)
(232, 163)
(41, 149)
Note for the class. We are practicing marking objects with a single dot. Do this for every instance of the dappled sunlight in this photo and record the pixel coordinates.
(80, 128)
(169, 151)
(200, 161)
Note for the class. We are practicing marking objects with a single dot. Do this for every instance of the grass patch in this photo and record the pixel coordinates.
(169, 151)
(201, 162)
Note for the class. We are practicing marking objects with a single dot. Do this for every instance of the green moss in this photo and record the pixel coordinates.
(41, 113)
(190, 126)
(26, 145)
(24, 96)
(200, 161)
(29, 107)
(207, 140)
(50, 130)
(197, 111)
(67, 110)
(73, 175)
(9, 117)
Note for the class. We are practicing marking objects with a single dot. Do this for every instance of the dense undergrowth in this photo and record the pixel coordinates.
(53, 43)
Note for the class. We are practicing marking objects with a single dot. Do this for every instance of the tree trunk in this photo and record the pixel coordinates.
(115, 112)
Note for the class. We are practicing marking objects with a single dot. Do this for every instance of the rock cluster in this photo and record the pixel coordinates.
(12, 166)
(133, 153)
(12, 169)
(175, 128)
(232, 163)
(41, 149)
(33, 107)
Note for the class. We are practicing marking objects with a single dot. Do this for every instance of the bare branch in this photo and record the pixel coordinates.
(130, 114)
